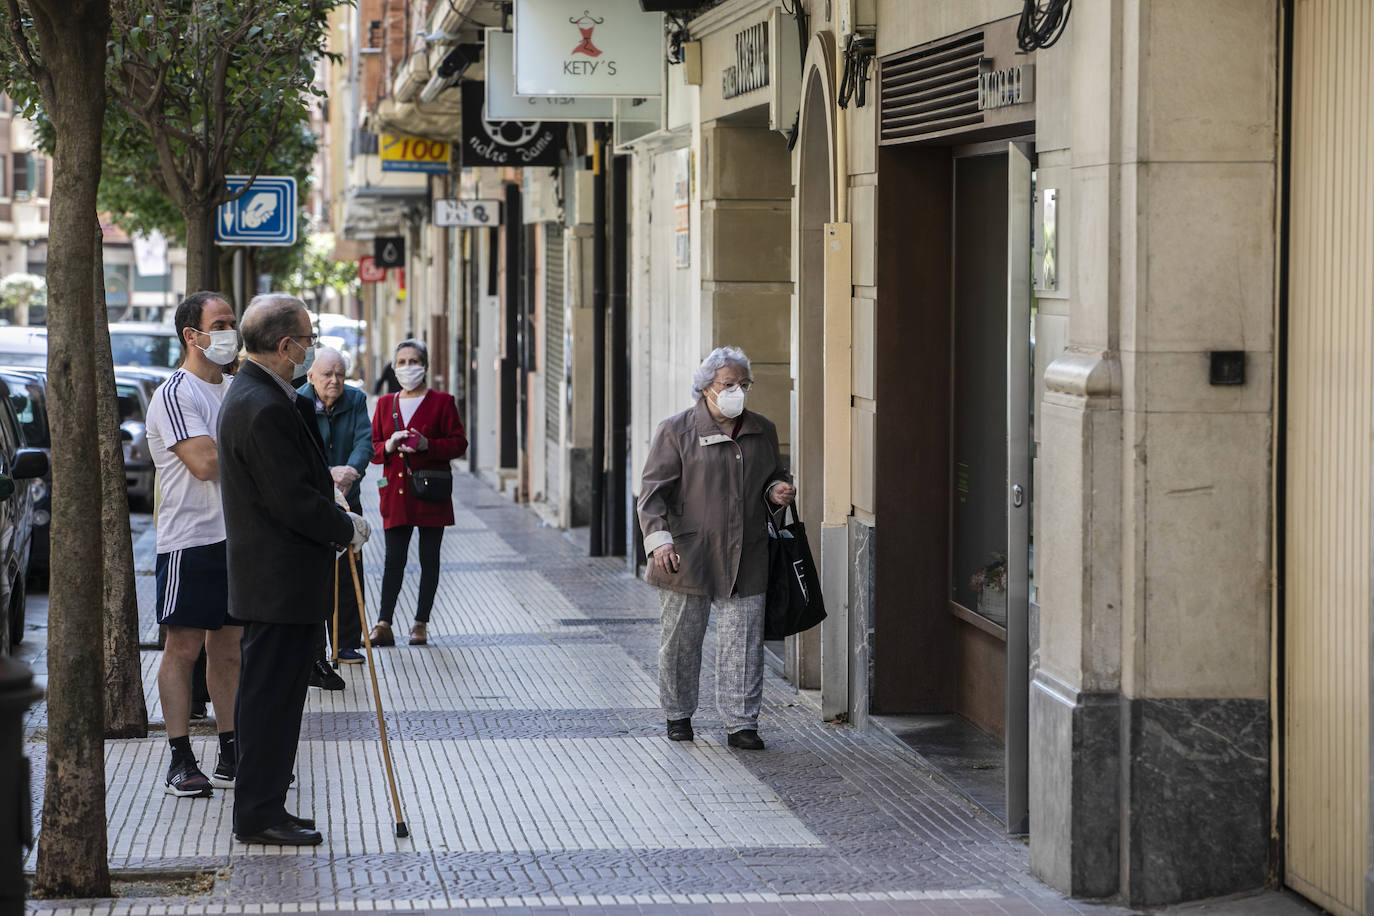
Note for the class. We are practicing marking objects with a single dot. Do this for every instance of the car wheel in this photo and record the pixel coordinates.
(17, 598)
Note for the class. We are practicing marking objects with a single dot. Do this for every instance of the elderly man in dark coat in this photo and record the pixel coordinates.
(283, 528)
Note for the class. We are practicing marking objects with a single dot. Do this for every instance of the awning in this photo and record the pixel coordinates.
(440, 119)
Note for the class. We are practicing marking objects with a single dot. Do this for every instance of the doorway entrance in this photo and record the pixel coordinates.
(960, 697)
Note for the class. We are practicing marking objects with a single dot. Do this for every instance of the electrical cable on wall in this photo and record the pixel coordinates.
(1042, 23)
(858, 57)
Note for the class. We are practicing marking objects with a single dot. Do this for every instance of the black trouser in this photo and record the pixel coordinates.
(273, 675)
(397, 549)
(350, 627)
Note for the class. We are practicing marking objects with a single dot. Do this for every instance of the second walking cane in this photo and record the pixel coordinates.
(401, 829)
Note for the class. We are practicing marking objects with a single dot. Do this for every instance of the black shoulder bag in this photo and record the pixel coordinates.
(430, 485)
(793, 602)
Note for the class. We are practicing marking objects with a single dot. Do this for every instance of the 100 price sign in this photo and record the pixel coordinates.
(413, 154)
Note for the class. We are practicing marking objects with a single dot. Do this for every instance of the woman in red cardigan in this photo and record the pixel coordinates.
(413, 430)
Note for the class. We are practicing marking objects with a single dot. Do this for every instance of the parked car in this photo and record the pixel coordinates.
(28, 393)
(18, 466)
(134, 391)
(22, 346)
(145, 345)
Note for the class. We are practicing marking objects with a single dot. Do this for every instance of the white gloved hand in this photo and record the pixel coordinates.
(396, 439)
(361, 531)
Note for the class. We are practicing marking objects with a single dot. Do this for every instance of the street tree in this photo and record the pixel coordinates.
(211, 81)
(60, 44)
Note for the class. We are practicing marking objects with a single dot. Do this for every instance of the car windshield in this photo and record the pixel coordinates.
(32, 422)
(144, 349)
(130, 406)
(34, 360)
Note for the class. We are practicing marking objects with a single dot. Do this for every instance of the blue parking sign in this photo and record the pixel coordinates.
(264, 215)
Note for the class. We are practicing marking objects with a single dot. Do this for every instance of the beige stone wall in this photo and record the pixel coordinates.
(1165, 154)
(904, 24)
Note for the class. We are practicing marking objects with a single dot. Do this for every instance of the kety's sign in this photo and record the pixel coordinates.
(750, 69)
(1006, 87)
(607, 48)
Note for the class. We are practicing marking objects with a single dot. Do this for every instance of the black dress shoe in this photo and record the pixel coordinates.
(680, 729)
(321, 675)
(287, 833)
(746, 739)
(305, 823)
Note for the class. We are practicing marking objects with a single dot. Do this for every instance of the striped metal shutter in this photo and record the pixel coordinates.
(553, 329)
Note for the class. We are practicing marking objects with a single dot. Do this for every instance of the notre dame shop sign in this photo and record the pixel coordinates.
(513, 143)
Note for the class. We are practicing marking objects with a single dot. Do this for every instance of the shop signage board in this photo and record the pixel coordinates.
(449, 213)
(389, 251)
(265, 214)
(502, 102)
(749, 70)
(682, 207)
(412, 154)
(368, 271)
(505, 143)
(597, 48)
(1006, 87)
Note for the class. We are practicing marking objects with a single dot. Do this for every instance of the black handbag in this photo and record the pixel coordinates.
(793, 603)
(431, 485)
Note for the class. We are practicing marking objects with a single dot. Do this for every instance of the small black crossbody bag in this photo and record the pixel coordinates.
(429, 484)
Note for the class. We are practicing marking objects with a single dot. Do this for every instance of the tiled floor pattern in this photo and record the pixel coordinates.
(534, 776)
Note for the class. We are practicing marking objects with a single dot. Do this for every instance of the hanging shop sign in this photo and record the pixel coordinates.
(1006, 87)
(597, 48)
(502, 102)
(412, 154)
(449, 213)
(368, 271)
(682, 208)
(265, 214)
(389, 251)
(501, 143)
(750, 68)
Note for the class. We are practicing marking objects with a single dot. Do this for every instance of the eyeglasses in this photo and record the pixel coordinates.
(742, 386)
(313, 340)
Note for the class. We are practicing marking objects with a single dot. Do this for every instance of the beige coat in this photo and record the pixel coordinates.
(704, 493)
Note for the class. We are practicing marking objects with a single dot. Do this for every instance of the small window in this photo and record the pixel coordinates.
(21, 175)
(40, 176)
(4, 174)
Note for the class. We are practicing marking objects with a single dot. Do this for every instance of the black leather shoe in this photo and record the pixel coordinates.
(305, 823)
(284, 834)
(680, 729)
(321, 675)
(746, 739)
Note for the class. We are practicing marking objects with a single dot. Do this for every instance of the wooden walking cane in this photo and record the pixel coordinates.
(401, 829)
(335, 660)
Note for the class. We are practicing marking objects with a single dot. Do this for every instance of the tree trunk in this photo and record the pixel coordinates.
(72, 850)
(201, 268)
(126, 714)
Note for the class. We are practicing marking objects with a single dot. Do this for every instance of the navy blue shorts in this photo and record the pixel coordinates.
(193, 588)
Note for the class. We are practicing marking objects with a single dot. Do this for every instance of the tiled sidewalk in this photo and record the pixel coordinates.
(534, 776)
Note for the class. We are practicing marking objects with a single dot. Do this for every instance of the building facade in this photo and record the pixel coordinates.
(1067, 347)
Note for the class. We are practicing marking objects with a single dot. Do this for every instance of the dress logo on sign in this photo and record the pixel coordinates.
(586, 24)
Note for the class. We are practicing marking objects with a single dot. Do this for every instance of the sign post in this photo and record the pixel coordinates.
(265, 214)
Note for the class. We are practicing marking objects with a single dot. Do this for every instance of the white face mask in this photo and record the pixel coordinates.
(410, 377)
(731, 402)
(224, 346)
(299, 369)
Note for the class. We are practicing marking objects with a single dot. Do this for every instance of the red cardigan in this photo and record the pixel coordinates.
(437, 420)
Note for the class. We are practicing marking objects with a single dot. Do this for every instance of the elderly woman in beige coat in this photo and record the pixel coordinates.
(711, 473)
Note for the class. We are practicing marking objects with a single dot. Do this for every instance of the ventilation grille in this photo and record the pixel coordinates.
(553, 328)
(932, 90)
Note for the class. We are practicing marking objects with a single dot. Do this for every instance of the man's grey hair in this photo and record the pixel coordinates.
(268, 319)
(418, 345)
(716, 360)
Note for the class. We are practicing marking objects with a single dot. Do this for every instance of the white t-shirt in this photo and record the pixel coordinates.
(190, 513)
(408, 407)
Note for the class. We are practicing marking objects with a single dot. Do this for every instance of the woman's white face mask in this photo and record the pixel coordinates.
(410, 377)
(731, 401)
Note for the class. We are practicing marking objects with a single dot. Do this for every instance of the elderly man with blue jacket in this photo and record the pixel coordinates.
(341, 413)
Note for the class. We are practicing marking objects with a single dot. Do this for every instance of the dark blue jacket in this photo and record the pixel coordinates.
(347, 434)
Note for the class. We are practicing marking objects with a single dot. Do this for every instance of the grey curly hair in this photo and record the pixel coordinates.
(716, 360)
(418, 346)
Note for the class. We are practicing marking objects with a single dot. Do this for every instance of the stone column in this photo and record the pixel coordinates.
(1149, 705)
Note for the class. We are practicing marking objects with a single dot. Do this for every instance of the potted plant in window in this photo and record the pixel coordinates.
(990, 585)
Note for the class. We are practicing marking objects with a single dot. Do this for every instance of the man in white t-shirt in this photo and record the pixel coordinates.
(192, 567)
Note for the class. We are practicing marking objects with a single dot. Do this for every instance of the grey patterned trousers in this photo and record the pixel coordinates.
(739, 656)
